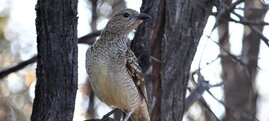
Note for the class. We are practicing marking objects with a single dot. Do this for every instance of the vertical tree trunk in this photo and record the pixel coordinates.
(56, 87)
(165, 46)
(226, 61)
(223, 31)
(239, 87)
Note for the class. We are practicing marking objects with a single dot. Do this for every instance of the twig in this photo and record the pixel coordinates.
(249, 22)
(87, 39)
(251, 8)
(110, 113)
(233, 57)
(197, 93)
(223, 8)
(105, 117)
(203, 86)
(204, 103)
(20, 66)
(227, 52)
(245, 114)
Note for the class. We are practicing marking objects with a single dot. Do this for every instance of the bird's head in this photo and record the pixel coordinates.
(124, 21)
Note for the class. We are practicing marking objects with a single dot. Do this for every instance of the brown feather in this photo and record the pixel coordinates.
(136, 73)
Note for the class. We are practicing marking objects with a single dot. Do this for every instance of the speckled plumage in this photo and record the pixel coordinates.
(114, 73)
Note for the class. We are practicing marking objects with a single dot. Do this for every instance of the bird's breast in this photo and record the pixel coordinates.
(113, 85)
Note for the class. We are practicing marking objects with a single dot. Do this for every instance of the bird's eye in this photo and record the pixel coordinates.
(125, 15)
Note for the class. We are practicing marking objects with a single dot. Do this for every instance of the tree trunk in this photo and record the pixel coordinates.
(56, 87)
(239, 87)
(223, 31)
(165, 47)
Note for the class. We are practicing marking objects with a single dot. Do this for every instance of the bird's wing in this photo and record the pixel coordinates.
(135, 72)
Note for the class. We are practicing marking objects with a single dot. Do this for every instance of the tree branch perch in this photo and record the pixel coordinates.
(87, 39)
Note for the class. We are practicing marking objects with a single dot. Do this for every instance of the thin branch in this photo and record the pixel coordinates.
(232, 6)
(233, 57)
(259, 33)
(253, 28)
(20, 66)
(249, 22)
(251, 8)
(87, 39)
(223, 8)
(106, 119)
(204, 103)
(197, 93)
(232, 108)
(205, 86)
(106, 116)
(228, 53)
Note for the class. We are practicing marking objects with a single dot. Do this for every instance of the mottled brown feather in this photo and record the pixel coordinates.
(136, 73)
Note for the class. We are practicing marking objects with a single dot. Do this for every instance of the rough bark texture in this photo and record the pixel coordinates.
(165, 47)
(56, 87)
(239, 87)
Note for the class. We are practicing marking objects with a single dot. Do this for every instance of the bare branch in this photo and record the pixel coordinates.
(205, 86)
(197, 93)
(251, 8)
(20, 66)
(234, 58)
(203, 102)
(232, 108)
(249, 22)
(228, 53)
(87, 39)
(106, 117)
(223, 8)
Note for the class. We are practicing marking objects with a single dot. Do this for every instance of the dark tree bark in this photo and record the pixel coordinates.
(56, 87)
(165, 47)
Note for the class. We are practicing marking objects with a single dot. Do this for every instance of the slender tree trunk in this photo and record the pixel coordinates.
(165, 47)
(239, 87)
(226, 61)
(223, 31)
(56, 87)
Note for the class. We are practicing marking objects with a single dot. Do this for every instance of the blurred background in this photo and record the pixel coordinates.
(18, 44)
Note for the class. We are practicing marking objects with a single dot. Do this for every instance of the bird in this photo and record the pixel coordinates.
(114, 73)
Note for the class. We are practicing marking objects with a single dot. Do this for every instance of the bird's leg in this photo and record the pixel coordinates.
(127, 116)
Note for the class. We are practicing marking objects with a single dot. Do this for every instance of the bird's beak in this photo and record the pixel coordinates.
(143, 16)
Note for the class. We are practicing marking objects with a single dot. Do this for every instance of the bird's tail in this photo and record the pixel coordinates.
(141, 113)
